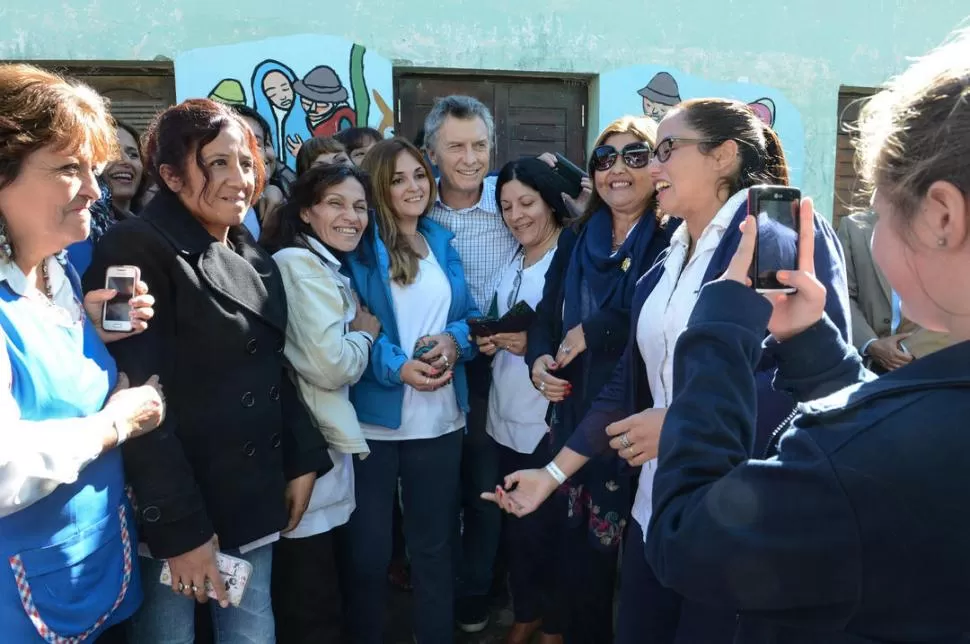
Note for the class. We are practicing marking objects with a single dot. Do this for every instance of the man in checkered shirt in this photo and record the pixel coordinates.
(459, 135)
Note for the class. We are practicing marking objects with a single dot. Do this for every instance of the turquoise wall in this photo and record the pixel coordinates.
(803, 48)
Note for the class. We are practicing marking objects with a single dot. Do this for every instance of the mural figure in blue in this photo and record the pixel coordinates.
(275, 99)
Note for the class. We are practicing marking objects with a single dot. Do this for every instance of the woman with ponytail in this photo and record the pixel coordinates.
(709, 153)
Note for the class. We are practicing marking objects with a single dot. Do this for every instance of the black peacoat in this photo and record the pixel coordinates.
(235, 430)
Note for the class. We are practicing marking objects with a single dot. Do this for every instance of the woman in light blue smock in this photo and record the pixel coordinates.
(66, 529)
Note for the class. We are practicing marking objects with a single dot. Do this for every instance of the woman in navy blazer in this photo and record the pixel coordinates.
(856, 530)
(411, 401)
(710, 152)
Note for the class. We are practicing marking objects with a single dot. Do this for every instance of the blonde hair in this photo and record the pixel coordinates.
(380, 163)
(917, 129)
(641, 127)
(41, 109)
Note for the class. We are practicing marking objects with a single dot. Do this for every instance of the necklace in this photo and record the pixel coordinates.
(46, 276)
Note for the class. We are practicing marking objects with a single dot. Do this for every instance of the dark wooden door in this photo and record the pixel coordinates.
(532, 115)
(849, 196)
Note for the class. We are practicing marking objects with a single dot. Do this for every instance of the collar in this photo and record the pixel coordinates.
(15, 278)
(167, 213)
(318, 247)
(486, 201)
(715, 229)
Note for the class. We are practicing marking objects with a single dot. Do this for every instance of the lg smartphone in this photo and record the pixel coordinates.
(235, 575)
(116, 315)
(776, 209)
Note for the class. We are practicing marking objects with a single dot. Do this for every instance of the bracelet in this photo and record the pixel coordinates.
(458, 353)
(119, 436)
(555, 472)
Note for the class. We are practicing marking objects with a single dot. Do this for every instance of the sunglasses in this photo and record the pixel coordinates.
(666, 147)
(635, 155)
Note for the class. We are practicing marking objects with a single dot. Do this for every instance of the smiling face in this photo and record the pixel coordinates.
(46, 207)
(332, 158)
(461, 152)
(526, 214)
(622, 188)
(410, 187)
(224, 199)
(124, 174)
(278, 90)
(340, 217)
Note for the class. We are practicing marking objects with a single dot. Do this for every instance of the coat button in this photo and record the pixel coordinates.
(274, 392)
(248, 399)
(151, 514)
(251, 346)
(275, 441)
(249, 449)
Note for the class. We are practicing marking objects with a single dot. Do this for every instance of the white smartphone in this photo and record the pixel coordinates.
(116, 315)
(235, 575)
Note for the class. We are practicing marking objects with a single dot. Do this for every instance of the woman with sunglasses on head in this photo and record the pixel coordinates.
(579, 334)
(711, 151)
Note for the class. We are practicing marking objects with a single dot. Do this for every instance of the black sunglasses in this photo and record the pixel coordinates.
(635, 155)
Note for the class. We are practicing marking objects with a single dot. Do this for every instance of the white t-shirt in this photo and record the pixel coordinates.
(662, 319)
(420, 309)
(516, 411)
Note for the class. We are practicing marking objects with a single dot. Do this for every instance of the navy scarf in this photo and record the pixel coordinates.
(596, 280)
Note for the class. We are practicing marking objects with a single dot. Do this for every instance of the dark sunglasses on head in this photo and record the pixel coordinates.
(635, 155)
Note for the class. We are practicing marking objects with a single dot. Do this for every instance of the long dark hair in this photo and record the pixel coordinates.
(540, 177)
(307, 191)
(720, 120)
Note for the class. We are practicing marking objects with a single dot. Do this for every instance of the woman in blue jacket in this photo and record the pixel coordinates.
(710, 152)
(856, 529)
(412, 400)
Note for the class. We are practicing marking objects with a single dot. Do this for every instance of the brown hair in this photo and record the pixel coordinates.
(643, 128)
(917, 129)
(380, 163)
(313, 148)
(762, 159)
(41, 109)
(183, 130)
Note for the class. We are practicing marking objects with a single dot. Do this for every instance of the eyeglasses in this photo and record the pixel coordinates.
(635, 155)
(666, 147)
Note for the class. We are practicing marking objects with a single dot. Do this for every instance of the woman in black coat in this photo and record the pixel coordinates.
(237, 456)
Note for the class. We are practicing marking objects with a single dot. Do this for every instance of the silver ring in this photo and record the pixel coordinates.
(565, 349)
(624, 441)
(181, 587)
(542, 386)
(427, 381)
(195, 588)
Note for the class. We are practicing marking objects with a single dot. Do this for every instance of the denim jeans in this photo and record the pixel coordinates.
(428, 469)
(169, 618)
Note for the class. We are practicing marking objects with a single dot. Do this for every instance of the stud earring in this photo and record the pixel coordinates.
(6, 250)
(941, 242)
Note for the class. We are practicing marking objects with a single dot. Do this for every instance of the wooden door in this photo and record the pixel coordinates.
(532, 115)
(848, 193)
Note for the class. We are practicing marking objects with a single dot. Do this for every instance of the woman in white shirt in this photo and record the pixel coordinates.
(529, 193)
(412, 401)
(328, 340)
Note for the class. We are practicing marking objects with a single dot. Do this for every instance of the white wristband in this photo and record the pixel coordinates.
(555, 472)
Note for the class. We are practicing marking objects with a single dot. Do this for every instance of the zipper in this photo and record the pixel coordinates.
(778, 431)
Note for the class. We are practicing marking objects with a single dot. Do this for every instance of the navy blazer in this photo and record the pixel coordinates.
(856, 531)
(628, 391)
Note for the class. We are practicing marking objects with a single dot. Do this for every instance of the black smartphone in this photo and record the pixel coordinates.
(482, 327)
(572, 173)
(776, 209)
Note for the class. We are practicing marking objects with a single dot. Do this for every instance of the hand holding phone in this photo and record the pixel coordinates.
(776, 209)
(116, 313)
(235, 574)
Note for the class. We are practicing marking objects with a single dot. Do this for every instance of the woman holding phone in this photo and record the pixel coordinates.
(710, 152)
(412, 401)
(874, 549)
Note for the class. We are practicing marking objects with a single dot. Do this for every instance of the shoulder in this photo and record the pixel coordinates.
(133, 236)
(434, 231)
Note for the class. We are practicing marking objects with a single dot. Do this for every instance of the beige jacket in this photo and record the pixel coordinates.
(327, 357)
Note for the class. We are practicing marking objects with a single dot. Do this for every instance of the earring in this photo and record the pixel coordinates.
(941, 242)
(6, 250)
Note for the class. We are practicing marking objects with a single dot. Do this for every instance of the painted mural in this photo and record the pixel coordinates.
(652, 90)
(304, 86)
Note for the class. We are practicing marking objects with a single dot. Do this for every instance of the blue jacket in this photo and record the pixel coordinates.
(379, 393)
(857, 529)
(628, 391)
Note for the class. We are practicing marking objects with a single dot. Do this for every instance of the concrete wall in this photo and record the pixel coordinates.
(805, 49)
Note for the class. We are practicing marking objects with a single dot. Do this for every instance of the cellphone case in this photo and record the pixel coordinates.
(519, 318)
(235, 574)
(572, 173)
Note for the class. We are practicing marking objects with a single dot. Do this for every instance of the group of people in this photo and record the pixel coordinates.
(302, 387)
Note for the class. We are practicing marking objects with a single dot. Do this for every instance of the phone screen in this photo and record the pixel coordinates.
(117, 308)
(777, 210)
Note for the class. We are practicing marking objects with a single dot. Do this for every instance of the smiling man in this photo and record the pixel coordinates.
(459, 134)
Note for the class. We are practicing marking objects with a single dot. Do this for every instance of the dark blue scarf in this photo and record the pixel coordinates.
(594, 279)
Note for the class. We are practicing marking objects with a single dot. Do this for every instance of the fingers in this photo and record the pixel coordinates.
(618, 428)
(141, 288)
(740, 264)
(639, 460)
(99, 296)
(549, 158)
(218, 585)
(806, 236)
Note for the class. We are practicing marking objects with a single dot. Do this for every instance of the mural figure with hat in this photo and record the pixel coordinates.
(275, 100)
(228, 91)
(324, 98)
(659, 95)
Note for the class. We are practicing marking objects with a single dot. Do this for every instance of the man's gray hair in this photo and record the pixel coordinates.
(460, 107)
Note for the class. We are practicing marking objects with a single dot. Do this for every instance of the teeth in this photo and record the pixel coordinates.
(662, 185)
(620, 184)
(347, 231)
